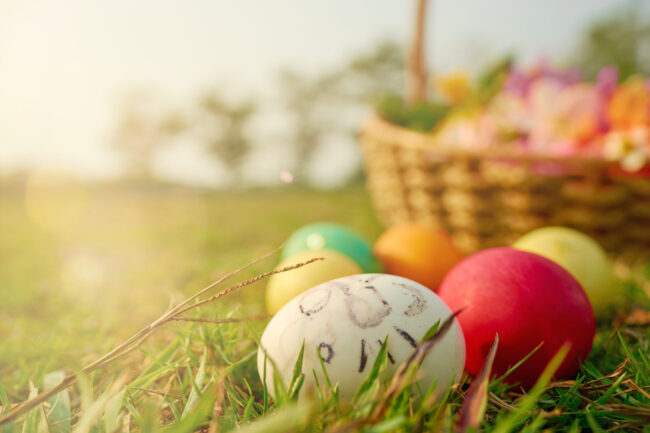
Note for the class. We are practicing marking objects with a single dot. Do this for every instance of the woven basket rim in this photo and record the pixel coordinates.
(378, 127)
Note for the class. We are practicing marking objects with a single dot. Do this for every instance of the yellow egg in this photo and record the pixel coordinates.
(582, 256)
(285, 286)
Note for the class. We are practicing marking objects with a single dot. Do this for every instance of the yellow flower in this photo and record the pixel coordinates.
(454, 87)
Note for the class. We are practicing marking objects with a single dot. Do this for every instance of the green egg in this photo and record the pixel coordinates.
(324, 235)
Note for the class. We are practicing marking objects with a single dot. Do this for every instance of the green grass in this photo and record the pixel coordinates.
(71, 291)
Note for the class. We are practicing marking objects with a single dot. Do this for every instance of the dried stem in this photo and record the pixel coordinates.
(239, 286)
(232, 320)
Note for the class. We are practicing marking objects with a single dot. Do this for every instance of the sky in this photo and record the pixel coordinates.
(65, 64)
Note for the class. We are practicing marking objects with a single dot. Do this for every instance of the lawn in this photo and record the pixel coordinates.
(79, 279)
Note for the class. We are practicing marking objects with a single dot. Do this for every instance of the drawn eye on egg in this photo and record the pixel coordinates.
(366, 307)
(419, 303)
(313, 302)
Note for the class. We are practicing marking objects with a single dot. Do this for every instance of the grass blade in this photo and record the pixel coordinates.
(291, 417)
(197, 385)
(377, 367)
(111, 416)
(432, 331)
(34, 417)
(297, 378)
(500, 379)
(4, 400)
(59, 416)
(519, 415)
(94, 409)
(197, 417)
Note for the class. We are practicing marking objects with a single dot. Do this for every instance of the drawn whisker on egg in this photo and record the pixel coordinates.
(405, 335)
(365, 315)
(364, 356)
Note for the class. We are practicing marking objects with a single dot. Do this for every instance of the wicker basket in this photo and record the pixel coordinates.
(487, 199)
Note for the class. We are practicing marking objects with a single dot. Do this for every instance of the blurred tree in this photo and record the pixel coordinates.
(222, 126)
(374, 74)
(142, 130)
(304, 97)
(621, 40)
(320, 105)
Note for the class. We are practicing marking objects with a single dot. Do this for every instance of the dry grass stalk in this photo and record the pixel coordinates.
(218, 321)
(139, 337)
(499, 402)
(593, 384)
(636, 387)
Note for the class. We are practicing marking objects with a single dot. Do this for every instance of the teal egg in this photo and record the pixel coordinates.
(318, 236)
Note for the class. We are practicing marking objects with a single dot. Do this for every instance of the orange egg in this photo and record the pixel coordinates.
(417, 251)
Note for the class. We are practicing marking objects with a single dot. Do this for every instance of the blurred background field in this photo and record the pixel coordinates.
(74, 290)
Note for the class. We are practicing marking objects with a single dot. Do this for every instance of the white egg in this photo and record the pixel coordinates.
(346, 320)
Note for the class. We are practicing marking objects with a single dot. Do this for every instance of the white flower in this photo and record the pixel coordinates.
(630, 148)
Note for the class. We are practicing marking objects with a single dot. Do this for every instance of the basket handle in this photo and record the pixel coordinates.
(416, 67)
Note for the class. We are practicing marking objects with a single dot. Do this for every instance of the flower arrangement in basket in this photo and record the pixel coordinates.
(516, 150)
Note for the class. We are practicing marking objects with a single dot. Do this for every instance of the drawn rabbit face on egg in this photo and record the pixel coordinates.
(346, 320)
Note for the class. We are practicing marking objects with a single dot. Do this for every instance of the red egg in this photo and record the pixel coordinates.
(527, 300)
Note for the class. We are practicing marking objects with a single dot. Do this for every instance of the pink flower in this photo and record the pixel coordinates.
(563, 114)
(545, 110)
(607, 80)
(517, 82)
